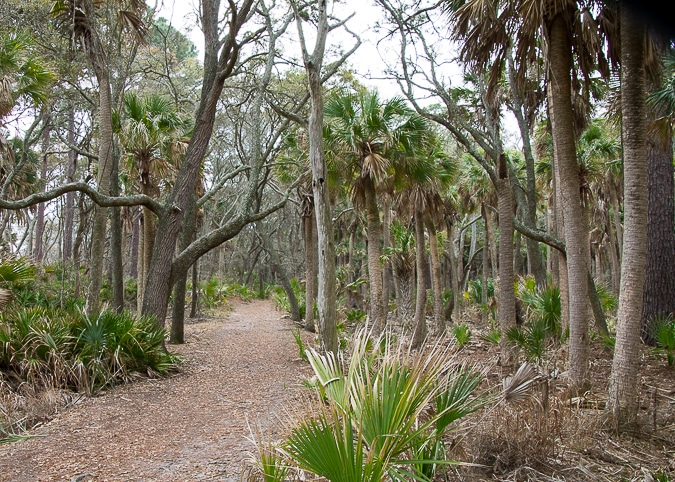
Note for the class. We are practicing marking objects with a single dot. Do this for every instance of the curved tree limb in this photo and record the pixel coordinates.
(97, 197)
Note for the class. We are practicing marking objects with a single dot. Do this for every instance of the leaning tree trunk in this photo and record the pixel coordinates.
(506, 308)
(374, 267)
(624, 382)
(420, 331)
(576, 231)
(105, 130)
(659, 294)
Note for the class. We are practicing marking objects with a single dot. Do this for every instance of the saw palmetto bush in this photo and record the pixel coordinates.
(56, 348)
(382, 413)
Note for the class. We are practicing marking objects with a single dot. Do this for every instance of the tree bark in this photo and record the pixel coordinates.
(38, 251)
(436, 278)
(624, 382)
(659, 292)
(116, 233)
(70, 197)
(506, 308)
(326, 297)
(420, 331)
(311, 265)
(103, 182)
(576, 232)
(374, 267)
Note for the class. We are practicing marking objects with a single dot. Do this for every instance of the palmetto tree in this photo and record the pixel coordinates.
(86, 22)
(22, 73)
(572, 46)
(372, 139)
(153, 133)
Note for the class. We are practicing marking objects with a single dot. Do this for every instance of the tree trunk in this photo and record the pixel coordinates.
(311, 268)
(576, 232)
(386, 266)
(179, 290)
(70, 197)
(38, 252)
(116, 233)
(624, 382)
(506, 308)
(326, 297)
(404, 271)
(98, 236)
(534, 256)
(420, 332)
(195, 291)
(374, 267)
(486, 266)
(659, 293)
(436, 279)
(455, 272)
(284, 280)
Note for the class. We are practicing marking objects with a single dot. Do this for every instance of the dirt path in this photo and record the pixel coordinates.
(192, 426)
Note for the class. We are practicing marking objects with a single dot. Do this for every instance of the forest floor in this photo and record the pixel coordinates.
(241, 369)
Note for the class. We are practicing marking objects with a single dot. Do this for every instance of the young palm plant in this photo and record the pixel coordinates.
(376, 422)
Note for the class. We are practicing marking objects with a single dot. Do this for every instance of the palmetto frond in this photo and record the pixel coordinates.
(22, 73)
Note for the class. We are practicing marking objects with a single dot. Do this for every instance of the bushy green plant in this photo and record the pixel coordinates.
(462, 334)
(532, 338)
(54, 348)
(542, 305)
(301, 345)
(355, 315)
(664, 334)
(493, 336)
(375, 423)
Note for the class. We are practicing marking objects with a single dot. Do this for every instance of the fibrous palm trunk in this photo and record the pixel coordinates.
(420, 331)
(624, 383)
(576, 232)
(436, 279)
(506, 308)
(98, 237)
(374, 268)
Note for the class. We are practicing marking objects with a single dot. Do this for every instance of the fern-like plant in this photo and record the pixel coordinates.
(462, 334)
(664, 334)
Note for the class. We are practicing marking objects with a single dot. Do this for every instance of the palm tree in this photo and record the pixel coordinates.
(624, 385)
(80, 18)
(373, 139)
(490, 31)
(153, 134)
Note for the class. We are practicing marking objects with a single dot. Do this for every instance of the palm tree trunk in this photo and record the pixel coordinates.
(576, 232)
(436, 279)
(624, 382)
(374, 267)
(506, 308)
(386, 242)
(103, 180)
(420, 331)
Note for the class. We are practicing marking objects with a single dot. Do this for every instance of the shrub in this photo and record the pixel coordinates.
(462, 334)
(664, 334)
(375, 422)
